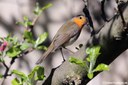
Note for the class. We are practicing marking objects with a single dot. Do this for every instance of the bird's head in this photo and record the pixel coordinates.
(80, 20)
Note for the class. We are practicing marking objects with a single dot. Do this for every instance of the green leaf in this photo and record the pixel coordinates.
(38, 10)
(29, 23)
(38, 73)
(13, 52)
(7, 38)
(0, 53)
(28, 36)
(32, 74)
(15, 82)
(42, 47)
(101, 67)
(77, 61)
(26, 22)
(96, 50)
(11, 40)
(1, 60)
(88, 50)
(13, 46)
(93, 52)
(20, 23)
(90, 75)
(20, 74)
(46, 6)
(24, 46)
(25, 18)
(1, 76)
(41, 39)
(14, 40)
(88, 59)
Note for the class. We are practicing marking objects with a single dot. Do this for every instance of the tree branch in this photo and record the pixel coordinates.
(113, 41)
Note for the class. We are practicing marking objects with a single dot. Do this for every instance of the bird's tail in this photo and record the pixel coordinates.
(50, 49)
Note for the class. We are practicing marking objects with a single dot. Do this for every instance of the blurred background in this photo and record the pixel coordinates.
(50, 21)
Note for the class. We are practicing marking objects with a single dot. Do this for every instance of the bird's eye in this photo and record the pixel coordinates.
(80, 17)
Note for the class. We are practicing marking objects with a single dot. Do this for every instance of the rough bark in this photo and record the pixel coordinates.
(113, 39)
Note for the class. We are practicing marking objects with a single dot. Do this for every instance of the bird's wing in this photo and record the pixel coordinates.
(61, 39)
(64, 37)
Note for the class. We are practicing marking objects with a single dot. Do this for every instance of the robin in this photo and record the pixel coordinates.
(66, 35)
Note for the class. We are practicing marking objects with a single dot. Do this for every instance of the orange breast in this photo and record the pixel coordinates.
(80, 22)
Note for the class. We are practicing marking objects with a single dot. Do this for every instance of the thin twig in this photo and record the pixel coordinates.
(5, 65)
(6, 74)
(30, 28)
(35, 20)
(7, 70)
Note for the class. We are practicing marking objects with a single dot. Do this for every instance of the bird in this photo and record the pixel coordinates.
(66, 35)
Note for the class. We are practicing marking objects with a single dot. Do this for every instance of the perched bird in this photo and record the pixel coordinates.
(66, 35)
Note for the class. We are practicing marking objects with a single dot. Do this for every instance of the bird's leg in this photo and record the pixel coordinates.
(62, 54)
(68, 50)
